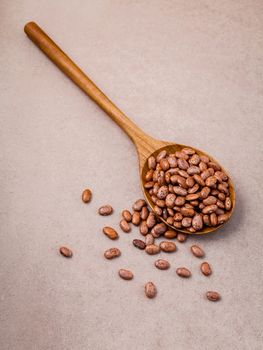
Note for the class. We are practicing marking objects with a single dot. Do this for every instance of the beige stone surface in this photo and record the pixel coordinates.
(184, 71)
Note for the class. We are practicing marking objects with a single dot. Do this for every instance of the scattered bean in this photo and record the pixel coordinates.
(181, 237)
(167, 246)
(138, 243)
(150, 290)
(213, 296)
(124, 225)
(144, 228)
(66, 252)
(112, 253)
(110, 232)
(126, 215)
(105, 210)
(162, 264)
(206, 269)
(125, 274)
(197, 251)
(152, 249)
(86, 195)
(136, 218)
(183, 272)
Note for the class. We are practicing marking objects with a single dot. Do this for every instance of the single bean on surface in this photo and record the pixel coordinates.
(183, 272)
(150, 290)
(66, 252)
(110, 232)
(105, 210)
(86, 195)
(125, 274)
(162, 264)
(206, 268)
(197, 251)
(213, 296)
(112, 253)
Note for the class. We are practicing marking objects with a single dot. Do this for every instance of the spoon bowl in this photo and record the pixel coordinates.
(145, 144)
(172, 148)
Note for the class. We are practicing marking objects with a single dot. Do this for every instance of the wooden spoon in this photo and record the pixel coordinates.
(145, 144)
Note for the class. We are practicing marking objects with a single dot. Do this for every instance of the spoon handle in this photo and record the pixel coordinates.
(63, 62)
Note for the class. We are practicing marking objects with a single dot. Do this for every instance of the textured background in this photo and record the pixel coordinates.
(184, 71)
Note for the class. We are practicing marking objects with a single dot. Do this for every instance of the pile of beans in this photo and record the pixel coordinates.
(189, 191)
(152, 229)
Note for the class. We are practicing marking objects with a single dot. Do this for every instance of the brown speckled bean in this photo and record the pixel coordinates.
(183, 164)
(209, 209)
(197, 222)
(170, 234)
(125, 226)
(181, 155)
(125, 274)
(149, 175)
(193, 189)
(205, 268)
(198, 179)
(86, 195)
(149, 239)
(66, 252)
(170, 220)
(197, 251)
(126, 215)
(162, 264)
(170, 199)
(228, 203)
(138, 243)
(190, 182)
(137, 206)
(210, 200)
(222, 218)
(181, 237)
(159, 229)
(183, 272)
(187, 212)
(105, 210)
(195, 159)
(167, 246)
(213, 296)
(161, 155)
(144, 228)
(151, 163)
(150, 290)
(188, 151)
(164, 164)
(136, 218)
(144, 213)
(172, 161)
(112, 253)
(204, 192)
(186, 222)
(110, 232)
(210, 181)
(192, 196)
(151, 220)
(206, 220)
(213, 219)
(152, 249)
(162, 192)
(202, 166)
(180, 191)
